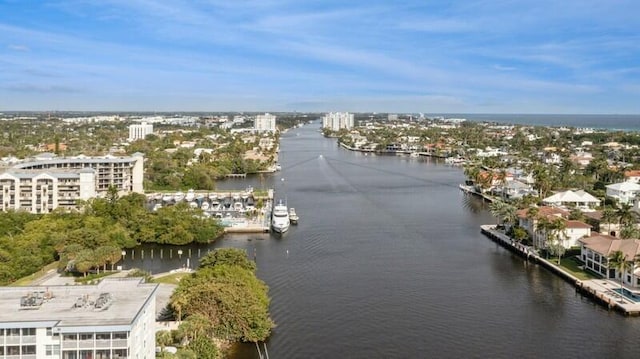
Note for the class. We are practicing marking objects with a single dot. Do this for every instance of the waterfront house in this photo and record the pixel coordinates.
(515, 189)
(623, 192)
(572, 233)
(595, 251)
(579, 199)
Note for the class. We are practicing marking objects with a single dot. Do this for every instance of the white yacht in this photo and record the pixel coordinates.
(280, 217)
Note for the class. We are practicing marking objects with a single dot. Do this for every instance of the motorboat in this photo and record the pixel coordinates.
(179, 196)
(167, 198)
(191, 195)
(293, 216)
(280, 218)
(204, 206)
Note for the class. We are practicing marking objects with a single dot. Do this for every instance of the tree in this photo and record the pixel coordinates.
(228, 256)
(556, 237)
(608, 216)
(618, 261)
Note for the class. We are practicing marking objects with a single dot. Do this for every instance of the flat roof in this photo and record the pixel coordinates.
(75, 306)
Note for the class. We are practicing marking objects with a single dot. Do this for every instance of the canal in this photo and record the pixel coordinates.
(388, 262)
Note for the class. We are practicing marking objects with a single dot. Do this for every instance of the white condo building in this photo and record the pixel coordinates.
(43, 185)
(139, 131)
(266, 122)
(336, 121)
(114, 319)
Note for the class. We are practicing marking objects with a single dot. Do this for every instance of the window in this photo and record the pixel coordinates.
(103, 336)
(69, 355)
(13, 350)
(86, 354)
(103, 354)
(49, 332)
(28, 349)
(28, 331)
(120, 353)
(52, 350)
(86, 336)
(119, 335)
(70, 336)
(15, 332)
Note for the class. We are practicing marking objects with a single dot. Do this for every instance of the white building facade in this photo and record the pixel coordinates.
(139, 131)
(335, 121)
(266, 122)
(43, 185)
(114, 319)
(42, 192)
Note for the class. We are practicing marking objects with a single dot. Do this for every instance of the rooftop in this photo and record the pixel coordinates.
(111, 302)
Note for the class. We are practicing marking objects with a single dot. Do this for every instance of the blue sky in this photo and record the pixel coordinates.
(478, 56)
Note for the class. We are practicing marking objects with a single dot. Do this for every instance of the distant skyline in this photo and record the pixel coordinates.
(478, 56)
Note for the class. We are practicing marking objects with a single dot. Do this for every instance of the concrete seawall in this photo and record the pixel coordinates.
(600, 291)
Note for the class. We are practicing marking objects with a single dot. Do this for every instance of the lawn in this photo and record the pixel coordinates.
(171, 278)
(571, 265)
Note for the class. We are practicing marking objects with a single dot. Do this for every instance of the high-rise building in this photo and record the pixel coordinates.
(139, 131)
(336, 121)
(114, 319)
(266, 122)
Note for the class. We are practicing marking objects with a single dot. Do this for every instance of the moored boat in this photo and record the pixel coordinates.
(280, 218)
(293, 216)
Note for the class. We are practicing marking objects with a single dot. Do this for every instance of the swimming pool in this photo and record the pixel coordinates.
(628, 294)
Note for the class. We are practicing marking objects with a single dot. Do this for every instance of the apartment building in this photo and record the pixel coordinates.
(111, 320)
(336, 121)
(139, 131)
(48, 182)
(266, 122)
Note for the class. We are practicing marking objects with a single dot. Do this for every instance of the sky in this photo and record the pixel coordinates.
(476, 56)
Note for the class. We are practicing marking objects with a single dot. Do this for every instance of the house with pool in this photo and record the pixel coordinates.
(596, 249)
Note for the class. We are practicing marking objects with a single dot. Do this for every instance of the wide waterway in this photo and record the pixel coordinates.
(388, 262)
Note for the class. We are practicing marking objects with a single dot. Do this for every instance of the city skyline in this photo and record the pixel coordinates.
(280, 55)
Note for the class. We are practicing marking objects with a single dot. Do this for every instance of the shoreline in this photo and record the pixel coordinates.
(600, 290)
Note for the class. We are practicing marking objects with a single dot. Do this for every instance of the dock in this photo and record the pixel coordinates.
(601, 291)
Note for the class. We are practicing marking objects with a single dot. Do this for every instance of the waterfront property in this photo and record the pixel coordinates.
(570, 234)
(113, 319)
(595, 251)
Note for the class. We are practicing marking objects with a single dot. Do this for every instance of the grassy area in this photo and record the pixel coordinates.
(28, 280)
(171, 278)
(572, 266)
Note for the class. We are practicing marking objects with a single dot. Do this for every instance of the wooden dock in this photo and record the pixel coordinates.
(600, 291)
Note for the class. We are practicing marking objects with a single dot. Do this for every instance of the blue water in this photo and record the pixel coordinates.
(610, 122)
(628, 294)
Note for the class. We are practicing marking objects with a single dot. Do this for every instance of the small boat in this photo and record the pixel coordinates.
(179, 196)
(280, 218)
(293, 216)
(237, 206)
(191, 195)
(193, 204)
(204, 206)
(167, 198)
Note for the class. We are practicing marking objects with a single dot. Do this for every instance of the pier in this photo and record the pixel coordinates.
(601, 291)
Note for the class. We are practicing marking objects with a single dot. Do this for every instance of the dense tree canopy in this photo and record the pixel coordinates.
(94, 237)
(225, 299)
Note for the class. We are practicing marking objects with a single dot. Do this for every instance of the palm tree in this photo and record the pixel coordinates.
(625, 215)
(618, 261)
(608, 216)
(556, 237)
